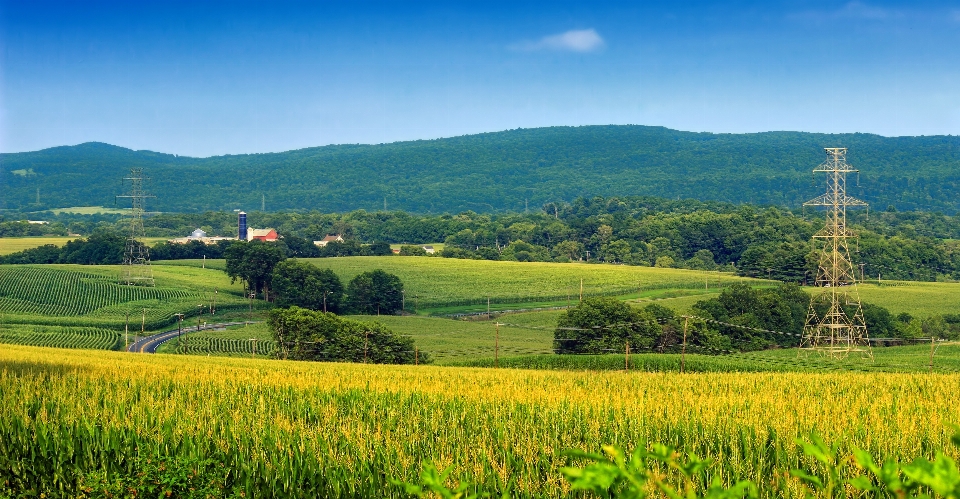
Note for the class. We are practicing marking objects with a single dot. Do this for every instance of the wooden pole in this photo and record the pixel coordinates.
(683, 352)
(126, 333)
(931, 354)
(496, 350)
(416, 356)
(581, 289)
(626, 356)
(488, 308)
(143, 323)
(366, 341)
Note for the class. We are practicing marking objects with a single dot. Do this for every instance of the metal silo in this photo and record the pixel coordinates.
(242, 226)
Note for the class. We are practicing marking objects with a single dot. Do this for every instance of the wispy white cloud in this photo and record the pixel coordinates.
(575, 40)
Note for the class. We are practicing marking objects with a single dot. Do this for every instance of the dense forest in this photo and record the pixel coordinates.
(496, 172)
(755, 241)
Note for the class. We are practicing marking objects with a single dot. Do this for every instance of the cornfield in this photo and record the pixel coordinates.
(287, 429)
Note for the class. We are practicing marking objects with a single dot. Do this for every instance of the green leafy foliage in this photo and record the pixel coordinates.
(161, 477)
(601, 325)
(304, 285)
(253, 263)
(302, 334)
(374, 293)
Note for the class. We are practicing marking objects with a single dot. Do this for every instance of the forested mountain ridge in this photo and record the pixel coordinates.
(500, 171)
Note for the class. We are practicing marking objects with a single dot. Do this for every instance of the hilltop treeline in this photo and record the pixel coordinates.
(496, 172)
(754, 241)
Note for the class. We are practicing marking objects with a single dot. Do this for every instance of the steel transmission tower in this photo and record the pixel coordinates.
(835, 326)
(136, 269)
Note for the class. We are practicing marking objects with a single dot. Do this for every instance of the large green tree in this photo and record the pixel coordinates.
(304, 285)
(253, 263)
(605, 325)
(375, 292)
(309, 335)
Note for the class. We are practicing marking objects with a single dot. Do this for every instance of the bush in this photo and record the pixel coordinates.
(321, 336)
(602, 325)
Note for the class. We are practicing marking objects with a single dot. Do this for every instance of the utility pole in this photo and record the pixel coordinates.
(199, 315)
(325, 300)
(366, 342)
(683, 352)
(179, 329)
(416, 356)
(496, 348)
(862, 279)
(626, 356)
(931, 354)
(254, 340)
(829, 329)
(214, 311)
(488, 308)
(143, 323)
(263, 202)
(581, 289)
(126, 333)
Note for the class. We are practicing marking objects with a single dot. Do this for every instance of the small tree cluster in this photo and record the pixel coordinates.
(298, 283)
(605, 325)
(320, 336)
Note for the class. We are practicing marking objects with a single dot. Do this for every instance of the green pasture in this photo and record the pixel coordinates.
(448, 285)
(10, 245)
(916, 298)
(443, 286)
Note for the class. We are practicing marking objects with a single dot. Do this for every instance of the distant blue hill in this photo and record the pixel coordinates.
(499, 171)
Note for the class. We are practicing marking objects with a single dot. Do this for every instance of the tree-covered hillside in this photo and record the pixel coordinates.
(499, 171)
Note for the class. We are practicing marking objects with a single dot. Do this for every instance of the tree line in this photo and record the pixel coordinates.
(754, 241)
(744, 318)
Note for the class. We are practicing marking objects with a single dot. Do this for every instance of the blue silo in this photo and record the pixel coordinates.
(242, 227)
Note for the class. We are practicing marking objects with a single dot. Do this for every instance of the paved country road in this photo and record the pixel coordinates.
(151, 343)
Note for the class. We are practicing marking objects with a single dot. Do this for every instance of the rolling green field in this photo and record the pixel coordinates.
(14, 244)
(45, 297)
(10, 245)
(446, 285)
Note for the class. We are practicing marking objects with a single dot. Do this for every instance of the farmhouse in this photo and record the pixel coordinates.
(329, 239)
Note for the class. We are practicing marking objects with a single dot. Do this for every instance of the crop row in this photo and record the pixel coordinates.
(26, 290)
(61, 337)
(227, 347)
(296, 429)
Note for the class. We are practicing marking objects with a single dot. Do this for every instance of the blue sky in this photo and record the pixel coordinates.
(208, 78)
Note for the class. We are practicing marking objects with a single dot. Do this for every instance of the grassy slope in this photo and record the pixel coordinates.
(14, 244)
(439, 279)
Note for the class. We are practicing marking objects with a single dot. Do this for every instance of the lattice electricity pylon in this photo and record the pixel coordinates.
(835, 326)
(136, 269)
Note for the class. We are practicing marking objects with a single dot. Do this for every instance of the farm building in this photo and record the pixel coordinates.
(262, 234)
(199, 235)
(429, 249)
(329, 239)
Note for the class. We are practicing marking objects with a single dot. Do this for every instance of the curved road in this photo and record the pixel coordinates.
(151, 343)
